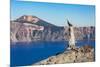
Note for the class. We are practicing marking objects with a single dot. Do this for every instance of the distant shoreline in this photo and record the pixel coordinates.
(47, 41)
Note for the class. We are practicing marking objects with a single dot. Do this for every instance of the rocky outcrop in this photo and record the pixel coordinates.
(82, 54)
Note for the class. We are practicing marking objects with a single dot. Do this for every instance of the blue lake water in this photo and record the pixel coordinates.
(29, 53)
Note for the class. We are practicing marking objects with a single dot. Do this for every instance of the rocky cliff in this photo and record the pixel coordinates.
(32, 28)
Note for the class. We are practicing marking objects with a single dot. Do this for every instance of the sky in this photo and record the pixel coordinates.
(55, 13)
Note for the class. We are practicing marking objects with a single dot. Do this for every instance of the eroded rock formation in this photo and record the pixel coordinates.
(82, 54)
(21, 32)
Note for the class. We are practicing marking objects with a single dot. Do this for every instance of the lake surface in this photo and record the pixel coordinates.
(29, 53)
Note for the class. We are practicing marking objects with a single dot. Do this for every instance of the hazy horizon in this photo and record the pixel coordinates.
(55, 13)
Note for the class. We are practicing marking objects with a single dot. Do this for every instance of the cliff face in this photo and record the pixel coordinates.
(31, 28)
(23, 31)
(82, 54)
